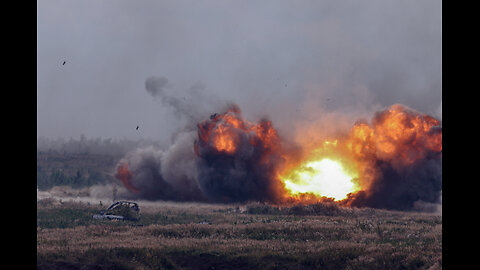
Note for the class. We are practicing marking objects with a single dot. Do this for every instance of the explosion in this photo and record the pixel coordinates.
(324, 171)
(124, 175)
(392, 162)
(399, 159)
(322, 178)
(238, 160)
(223, 132)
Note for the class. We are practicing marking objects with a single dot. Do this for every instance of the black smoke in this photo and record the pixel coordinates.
(193, 169)
(401, 185)
(246, 174)
(402, 189)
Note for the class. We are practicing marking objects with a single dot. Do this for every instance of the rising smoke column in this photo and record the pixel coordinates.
(227, 159)
(396, 161)
(238, 160)
(170, 174)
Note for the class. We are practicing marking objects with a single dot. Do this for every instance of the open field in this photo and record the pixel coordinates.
(241, 236)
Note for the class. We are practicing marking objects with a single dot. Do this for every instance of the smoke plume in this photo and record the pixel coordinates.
(154, 174)
(238, 160)
(405, 152)
(396, 158)
(192, 104)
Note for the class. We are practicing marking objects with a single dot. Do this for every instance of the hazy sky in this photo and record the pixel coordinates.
(277, 59)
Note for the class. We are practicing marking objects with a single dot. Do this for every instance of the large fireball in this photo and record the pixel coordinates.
(393, 162)
(326, 170)
(324, 178)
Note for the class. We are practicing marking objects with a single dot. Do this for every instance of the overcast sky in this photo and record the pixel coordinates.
(275, 59)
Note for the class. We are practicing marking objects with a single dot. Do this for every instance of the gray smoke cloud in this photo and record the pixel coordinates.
(316, 64)
(192, 169)
(310, 61)
(164, 175)
(171, 173)
(190, 105)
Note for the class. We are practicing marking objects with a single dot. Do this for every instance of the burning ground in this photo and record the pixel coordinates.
(393, 162)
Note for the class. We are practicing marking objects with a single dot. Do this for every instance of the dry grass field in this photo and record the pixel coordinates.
(241, 236)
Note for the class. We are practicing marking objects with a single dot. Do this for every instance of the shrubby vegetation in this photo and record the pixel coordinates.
(239, 236)
(324, 209)
(192, 236)
(97, 146)
(80, 179)
(82, 162)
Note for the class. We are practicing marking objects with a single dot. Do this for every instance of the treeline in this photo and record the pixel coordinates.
(83, 145)
(57, 177)
(82, 162)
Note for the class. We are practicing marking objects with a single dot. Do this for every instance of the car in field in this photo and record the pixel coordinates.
(121, 210)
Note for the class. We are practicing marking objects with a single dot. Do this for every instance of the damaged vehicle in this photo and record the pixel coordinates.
(122, 210)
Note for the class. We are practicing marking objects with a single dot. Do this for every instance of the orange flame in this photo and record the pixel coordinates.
(124, 175)
(340, 168)
(222, 132)
(397, 134)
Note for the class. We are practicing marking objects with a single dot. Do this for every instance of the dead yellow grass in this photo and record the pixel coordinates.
(360, 237)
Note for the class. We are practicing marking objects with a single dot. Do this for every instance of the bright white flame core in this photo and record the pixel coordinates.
(322, 178)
